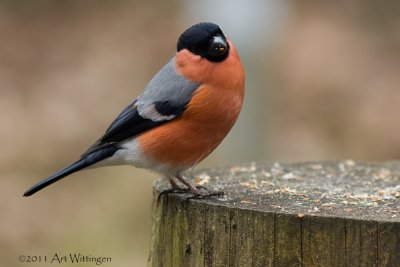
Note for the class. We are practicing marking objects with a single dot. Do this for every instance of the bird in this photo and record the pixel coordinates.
(181, 116)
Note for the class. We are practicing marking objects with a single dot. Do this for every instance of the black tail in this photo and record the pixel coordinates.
(84, 162)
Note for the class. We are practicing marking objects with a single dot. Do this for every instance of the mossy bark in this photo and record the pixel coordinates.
(250, 228)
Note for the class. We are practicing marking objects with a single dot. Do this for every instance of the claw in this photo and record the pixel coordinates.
(198, 192)
(172, 190)
(206, 194)
(201, 187)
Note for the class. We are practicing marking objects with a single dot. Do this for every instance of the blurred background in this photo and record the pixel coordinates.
(322, 84)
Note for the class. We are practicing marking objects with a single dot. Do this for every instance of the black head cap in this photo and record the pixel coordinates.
(206, 40)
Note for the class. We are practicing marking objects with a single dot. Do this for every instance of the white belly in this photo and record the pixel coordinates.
(131, 154)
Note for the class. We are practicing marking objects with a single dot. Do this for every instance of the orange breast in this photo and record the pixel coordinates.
(209, 116)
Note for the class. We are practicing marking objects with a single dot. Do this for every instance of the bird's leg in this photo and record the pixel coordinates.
(196, 189)
(190, 187)
(175, 188)
(171, 180)
(190, 172)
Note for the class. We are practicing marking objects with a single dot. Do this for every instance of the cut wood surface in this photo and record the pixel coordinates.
(342, 213)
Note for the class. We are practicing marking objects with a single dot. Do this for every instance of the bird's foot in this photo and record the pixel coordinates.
(198, 192)
(203, 192)
(183, 190)
(172, 190)
(175, 190)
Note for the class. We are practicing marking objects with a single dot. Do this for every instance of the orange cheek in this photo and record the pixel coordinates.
(225, 74)
(191, 66)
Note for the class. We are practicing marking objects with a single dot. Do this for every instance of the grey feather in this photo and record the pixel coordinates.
(166, 86)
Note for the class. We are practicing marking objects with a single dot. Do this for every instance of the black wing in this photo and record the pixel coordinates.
(130, 124)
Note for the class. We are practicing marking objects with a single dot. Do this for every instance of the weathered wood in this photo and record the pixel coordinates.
(304, 214)
(287, 229)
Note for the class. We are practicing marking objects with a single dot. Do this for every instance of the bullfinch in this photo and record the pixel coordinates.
(181, 116)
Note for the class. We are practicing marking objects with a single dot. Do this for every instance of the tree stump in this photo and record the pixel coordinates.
(303, 214)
